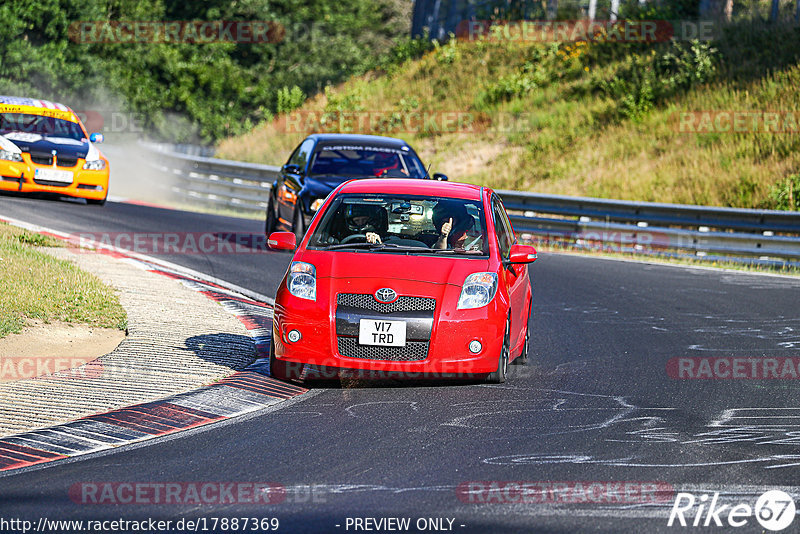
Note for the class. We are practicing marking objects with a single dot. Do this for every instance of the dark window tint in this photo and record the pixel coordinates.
(300, 156)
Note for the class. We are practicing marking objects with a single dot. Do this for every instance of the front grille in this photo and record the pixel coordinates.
(42, 160)
(66, 162)
(414, 351)
(48, 182)
(61, 161)
(368, 302)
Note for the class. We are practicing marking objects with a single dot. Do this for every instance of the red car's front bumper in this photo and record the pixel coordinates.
(448, 350)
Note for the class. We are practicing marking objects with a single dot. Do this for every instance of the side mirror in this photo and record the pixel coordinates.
(439, 176)
(522, 254)
(282, 241)
(291, 168)
(95, 137)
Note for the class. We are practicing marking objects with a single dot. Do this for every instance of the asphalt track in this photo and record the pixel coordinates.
(595, 404)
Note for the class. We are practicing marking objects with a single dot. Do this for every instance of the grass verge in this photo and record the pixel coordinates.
(35, 285)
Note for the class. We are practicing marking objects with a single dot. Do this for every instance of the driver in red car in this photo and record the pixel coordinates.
(362, 219)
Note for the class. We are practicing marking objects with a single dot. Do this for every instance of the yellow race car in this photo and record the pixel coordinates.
(44, 148)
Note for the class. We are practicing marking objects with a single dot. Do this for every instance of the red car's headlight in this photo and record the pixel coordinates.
(478, 290)
(302, 280)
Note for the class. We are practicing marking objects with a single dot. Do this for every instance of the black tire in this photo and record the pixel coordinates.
(522, 359)
(95, 202)
(299, 224)
(280, 369)
(499, 376)
(270, 221)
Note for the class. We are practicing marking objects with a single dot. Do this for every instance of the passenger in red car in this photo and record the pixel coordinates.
(455, 226)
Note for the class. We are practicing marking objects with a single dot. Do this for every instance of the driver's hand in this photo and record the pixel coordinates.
(446, 227)
(373, 238)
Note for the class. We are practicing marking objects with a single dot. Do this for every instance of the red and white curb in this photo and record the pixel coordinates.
(240, 393)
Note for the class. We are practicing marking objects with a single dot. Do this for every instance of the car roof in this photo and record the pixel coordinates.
(32, 102)
(413, 187)
(46, 108)
(362, 139)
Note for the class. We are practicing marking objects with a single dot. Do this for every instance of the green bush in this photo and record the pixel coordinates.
(188, 91)
(644, 80)
(785, 195)
(290, 99)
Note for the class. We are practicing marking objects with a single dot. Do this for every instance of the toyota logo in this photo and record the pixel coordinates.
(385, 294)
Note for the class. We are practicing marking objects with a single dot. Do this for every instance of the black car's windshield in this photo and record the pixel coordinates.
(402, 224)
(25, 124)
(365, 160)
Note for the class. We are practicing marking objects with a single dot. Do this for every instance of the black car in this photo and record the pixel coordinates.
(323, 161)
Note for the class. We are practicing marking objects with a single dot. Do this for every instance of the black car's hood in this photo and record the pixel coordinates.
(321, 185)
(45, 145)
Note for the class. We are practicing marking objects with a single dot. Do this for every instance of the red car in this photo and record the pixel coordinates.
(407, 277)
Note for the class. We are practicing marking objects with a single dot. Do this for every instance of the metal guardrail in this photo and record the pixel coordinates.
(215, 182)
(763, 236)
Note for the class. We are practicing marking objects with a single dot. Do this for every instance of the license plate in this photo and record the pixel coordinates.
(382, 333)
(54, 175)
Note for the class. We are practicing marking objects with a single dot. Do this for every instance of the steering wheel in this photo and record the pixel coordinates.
(352, 238)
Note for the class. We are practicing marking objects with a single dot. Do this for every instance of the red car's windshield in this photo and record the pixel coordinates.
(413, 224)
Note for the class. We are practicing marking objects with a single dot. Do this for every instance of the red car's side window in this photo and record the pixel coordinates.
(502, 227)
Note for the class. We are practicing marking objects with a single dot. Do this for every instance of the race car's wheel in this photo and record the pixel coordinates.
(270, 222)
(499, 376)
(299, 224)
(522, 359)
(95, 202)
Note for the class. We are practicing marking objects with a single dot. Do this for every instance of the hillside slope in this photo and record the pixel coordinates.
(596, 118)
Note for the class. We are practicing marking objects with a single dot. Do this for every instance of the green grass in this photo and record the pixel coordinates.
(595, 119)
(35, 285)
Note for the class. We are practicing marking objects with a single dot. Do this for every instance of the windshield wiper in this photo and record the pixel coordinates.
(377, 247)
(455, 251)
(354, 245)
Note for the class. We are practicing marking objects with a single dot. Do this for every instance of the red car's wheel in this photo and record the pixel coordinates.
(499, 376)
(522, 359)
